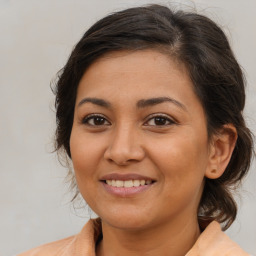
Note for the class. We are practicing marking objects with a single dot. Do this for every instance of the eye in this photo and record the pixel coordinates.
(95, 120)
(159, 120)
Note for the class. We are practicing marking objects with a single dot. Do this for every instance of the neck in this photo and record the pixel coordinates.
(174, 238)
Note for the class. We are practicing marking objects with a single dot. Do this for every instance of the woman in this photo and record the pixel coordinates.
(149, 110)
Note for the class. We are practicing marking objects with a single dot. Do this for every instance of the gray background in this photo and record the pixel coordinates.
(36, 38)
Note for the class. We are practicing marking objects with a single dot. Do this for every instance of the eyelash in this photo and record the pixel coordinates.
(162, 116)
(93, 117)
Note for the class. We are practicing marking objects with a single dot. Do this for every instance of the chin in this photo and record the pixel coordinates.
(126, 219)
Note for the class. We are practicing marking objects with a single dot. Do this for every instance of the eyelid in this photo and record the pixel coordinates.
(88, 117)
(170, 119)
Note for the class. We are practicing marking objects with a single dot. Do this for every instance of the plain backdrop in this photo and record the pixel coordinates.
(36, 38)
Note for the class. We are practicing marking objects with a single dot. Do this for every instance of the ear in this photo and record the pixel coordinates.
(221, 148)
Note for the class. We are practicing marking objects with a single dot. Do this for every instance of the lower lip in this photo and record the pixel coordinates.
(126, 192)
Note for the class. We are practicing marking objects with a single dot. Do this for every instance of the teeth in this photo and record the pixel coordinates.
(136, 183)
(128, 183)
(119, 183)
(109, 182)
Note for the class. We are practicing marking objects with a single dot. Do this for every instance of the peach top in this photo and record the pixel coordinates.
(211, 242)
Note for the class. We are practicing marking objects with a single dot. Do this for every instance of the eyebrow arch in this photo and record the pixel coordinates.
(96, 101)
(159, 100)
(140, 104)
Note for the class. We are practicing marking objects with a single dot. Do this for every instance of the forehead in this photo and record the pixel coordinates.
(139, 61)
(135, 75)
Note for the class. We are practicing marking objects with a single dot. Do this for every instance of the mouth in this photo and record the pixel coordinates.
(126, 184)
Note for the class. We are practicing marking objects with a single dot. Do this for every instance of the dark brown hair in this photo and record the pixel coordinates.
(201, 45)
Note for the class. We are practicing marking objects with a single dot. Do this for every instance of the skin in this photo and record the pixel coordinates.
(177, 154)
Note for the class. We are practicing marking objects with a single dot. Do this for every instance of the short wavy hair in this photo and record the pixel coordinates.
(202, 46)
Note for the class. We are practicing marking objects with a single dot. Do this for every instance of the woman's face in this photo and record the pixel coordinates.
(139, 141)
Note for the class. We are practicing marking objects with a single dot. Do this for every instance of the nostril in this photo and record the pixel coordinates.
(124, 151)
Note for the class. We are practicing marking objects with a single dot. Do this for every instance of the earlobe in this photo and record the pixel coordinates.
(221, 149)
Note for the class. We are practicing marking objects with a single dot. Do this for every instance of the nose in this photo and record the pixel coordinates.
(124, 146)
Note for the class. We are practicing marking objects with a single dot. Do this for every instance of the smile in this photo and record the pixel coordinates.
(128, 183)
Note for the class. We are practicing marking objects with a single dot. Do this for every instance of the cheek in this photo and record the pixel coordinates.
(181, 159)
(85, 154)
(182, 166)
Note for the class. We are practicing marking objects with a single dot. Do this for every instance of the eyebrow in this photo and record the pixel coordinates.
(159, 100)
(140, 104)
(96, 101)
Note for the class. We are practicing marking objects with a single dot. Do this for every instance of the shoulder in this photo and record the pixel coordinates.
(52, 249)
(213, 241)
(81, 244)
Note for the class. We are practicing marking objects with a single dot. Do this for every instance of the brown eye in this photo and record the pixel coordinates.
(159, 121)
(95, 120)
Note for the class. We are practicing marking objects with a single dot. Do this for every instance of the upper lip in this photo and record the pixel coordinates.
(123, 176)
